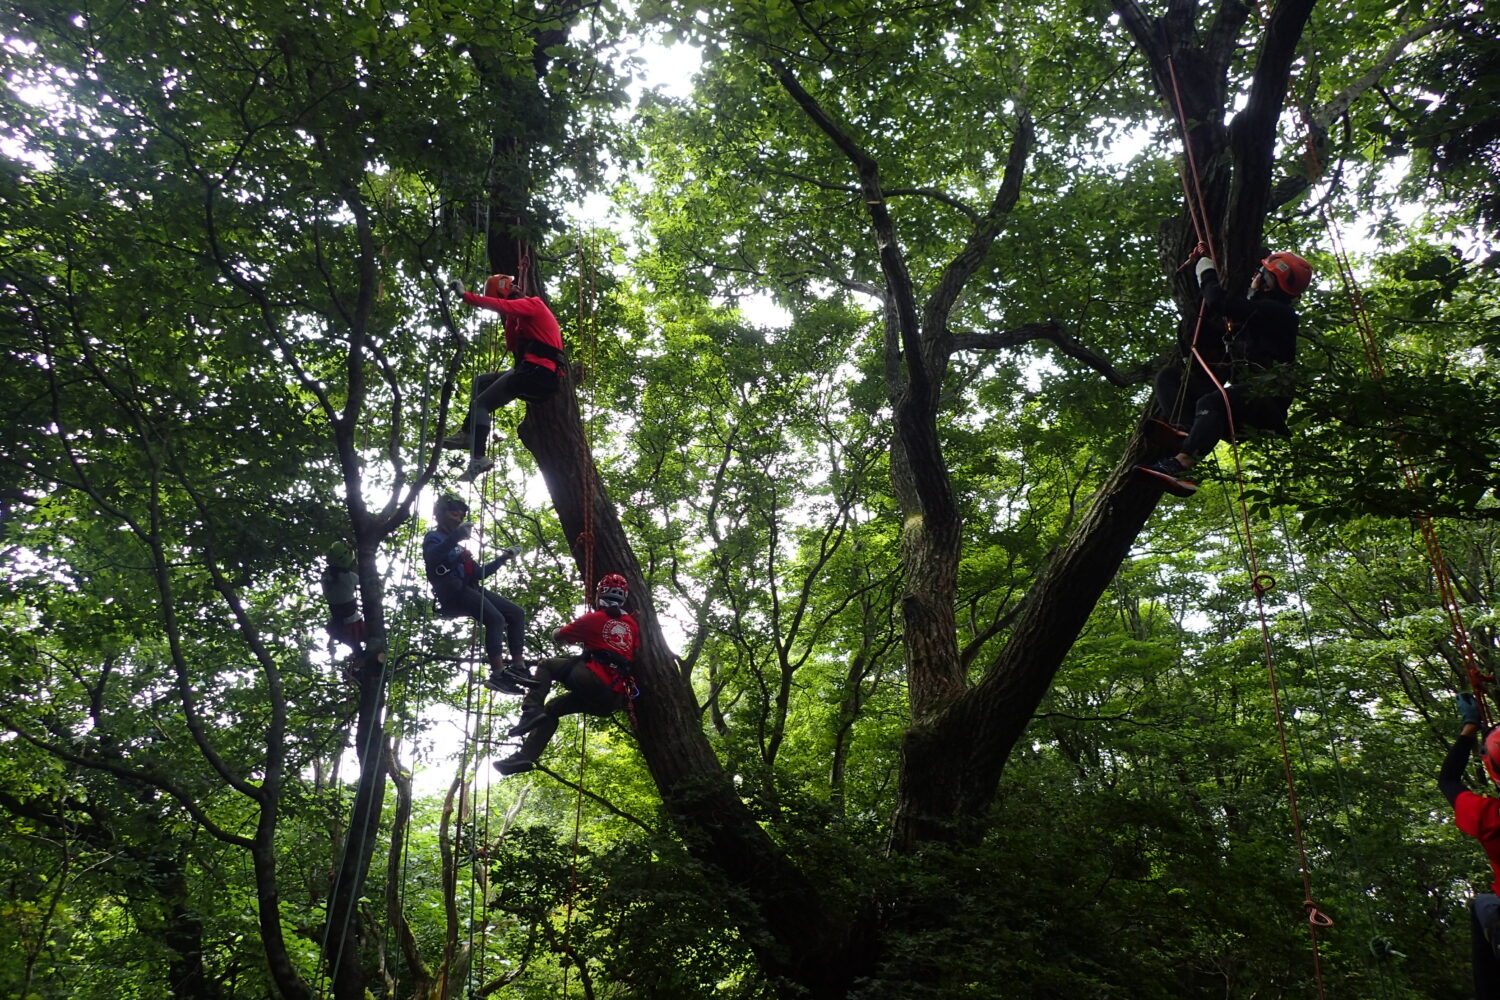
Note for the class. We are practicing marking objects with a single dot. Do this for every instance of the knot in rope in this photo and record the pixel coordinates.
(1315, 916)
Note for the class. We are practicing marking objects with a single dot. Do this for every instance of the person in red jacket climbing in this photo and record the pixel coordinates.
(534, 339)
(1254, 363)
(1479, 817)
(600, 680)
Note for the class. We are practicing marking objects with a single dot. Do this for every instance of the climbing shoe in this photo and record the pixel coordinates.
(515, 764)
(477, 467)
(512, 679)
(499, 680)
(1163, 436)
(458, 442)
(530, 719)
(1171, 475)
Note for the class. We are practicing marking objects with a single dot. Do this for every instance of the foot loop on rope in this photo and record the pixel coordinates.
(1263, 584)
(1315, 916)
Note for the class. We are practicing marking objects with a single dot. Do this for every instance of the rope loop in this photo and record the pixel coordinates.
(1315, 916)
(586, 539)
(1263, 584)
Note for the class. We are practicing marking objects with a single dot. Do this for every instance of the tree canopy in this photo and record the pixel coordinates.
(938, 697)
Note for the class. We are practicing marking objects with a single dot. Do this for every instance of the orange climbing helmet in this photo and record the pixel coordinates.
(500, 286)
(1291, 273)
(612, 591)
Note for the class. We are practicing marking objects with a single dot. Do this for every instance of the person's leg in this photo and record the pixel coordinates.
(1211, 423)
(514, 620)
(1267, 413)
(470, 603)
(586, 694)
(500, 390)
(1171, 396)
(1484, 935)
(464, 439)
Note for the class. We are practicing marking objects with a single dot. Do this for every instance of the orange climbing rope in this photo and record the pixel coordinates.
(1443, 579)
(1260, 583)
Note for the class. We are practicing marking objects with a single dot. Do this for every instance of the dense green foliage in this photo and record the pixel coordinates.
(222, 243)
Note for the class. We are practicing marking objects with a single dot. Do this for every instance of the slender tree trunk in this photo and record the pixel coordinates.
(344, 930)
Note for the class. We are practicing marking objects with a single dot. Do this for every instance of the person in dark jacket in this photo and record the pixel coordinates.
(455, 578)
(1479, 817)
(600, 680)
(1249, 345)
(534, 339)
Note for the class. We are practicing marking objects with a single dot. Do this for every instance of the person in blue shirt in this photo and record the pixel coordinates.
(455, 578)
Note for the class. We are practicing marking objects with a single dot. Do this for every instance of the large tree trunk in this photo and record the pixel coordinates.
(812, 941)
(952, 761)
(953, 757)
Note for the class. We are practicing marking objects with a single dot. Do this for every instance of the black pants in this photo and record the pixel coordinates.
(504, 623)
(1210, 421)
(527, 380)
(586, 694)
(1484, 909)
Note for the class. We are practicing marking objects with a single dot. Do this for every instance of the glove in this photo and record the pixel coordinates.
(463, 531)
(510, 553)
(1204, 266)
(1468, 710)
(456, 287)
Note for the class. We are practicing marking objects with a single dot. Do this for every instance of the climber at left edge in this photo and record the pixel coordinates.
(340, 583)
(534, 339)
(455, 577)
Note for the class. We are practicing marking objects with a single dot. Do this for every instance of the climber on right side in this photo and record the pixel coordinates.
(1261, 337)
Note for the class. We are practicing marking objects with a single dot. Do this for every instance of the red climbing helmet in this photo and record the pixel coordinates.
(612, 591)
(500, 286)
(1291, 273)
(1490, 751)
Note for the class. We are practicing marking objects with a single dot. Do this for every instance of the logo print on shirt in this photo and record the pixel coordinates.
(617, 636)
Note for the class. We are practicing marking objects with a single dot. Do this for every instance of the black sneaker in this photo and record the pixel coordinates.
(515, 765)
(458, 442)
(530, 719)
(501, 681)
(518, 674)
(1170, 475)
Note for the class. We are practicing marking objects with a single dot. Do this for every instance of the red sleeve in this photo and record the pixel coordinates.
(1477, 815)
(584, 630)
(528, 317)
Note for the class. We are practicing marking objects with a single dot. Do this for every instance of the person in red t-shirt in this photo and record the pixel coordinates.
(1479, 817)
(534, 339)
(599, 680)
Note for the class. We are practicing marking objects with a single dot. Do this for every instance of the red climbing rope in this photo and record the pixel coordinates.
(1197, 209)
(1443, 579)
(585, 458)
(1260, 583)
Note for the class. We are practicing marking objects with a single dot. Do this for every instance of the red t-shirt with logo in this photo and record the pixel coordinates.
(1479, 817)
(597, 630)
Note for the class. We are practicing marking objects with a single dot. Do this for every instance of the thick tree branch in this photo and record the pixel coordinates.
(1057, 334)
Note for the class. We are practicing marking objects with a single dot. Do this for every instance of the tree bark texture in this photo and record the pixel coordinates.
(812, 942)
